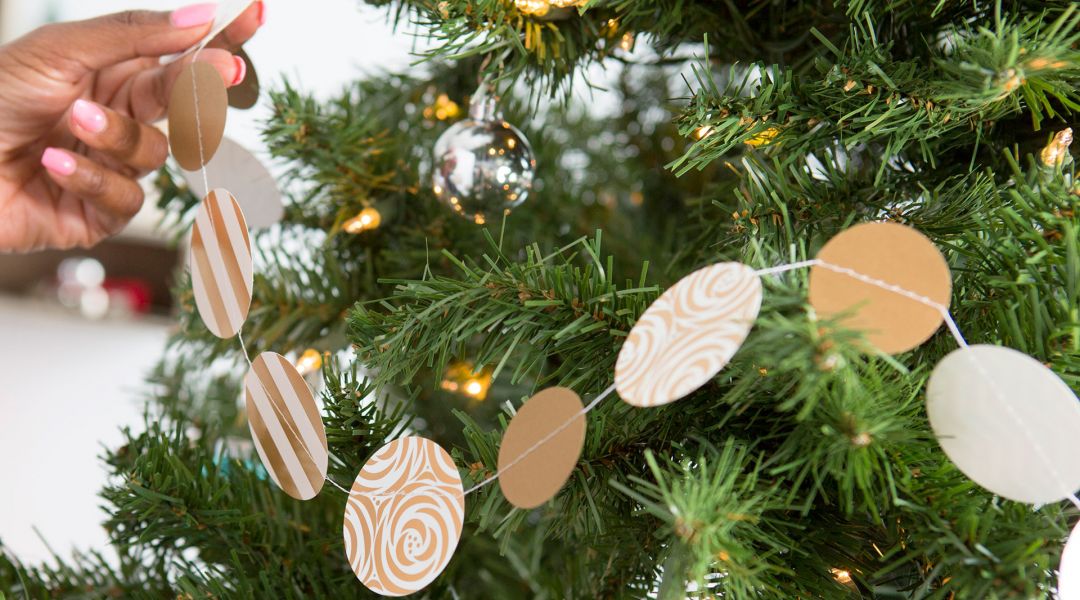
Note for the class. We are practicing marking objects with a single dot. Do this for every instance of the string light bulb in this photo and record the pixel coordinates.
(841, 576)
(365, 220)
(462, 378)
(703, 132)
(309, 362)
(443, 109)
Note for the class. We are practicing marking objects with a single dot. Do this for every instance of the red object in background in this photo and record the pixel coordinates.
(134, 293)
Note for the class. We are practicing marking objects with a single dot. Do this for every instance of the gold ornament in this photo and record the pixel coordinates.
(763, 138)
(367, 219)
(462, 379)
(533, 8)
(1055, 153)
(309, 362)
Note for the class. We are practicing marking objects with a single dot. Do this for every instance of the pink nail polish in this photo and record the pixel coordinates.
(58, 162)
(262, 13)
(241, 71)
(194, 15)
(89, 116)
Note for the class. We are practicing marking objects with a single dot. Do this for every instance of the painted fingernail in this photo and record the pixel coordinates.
(241, 70)
(262, 13)
(58, 162)
(89, 116)
(194, 15)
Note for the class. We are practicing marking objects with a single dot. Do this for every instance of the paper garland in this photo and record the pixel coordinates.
(688, 334)
(197, 115)
(535, 466)
(245, 94)
(891, 253)
(286, 426)
(405, 512)
(404, 517)
(1008, 422)
(1068, 584)
(221, 269)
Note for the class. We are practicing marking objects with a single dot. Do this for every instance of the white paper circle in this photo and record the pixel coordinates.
(684, 338)
(1008, 422)
(239, 171)
(226, 12)
(1068, 583)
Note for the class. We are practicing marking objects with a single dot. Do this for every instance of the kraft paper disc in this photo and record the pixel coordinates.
(689, 334)
(238, 170)
(221, 269)
(245, 94)
(532, 479)
(1007, 422)
(286, 426)
(404, 516)
(212, 106)
(1069, 568)
(892, 253)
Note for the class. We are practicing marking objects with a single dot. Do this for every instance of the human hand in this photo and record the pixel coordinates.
(76, 101)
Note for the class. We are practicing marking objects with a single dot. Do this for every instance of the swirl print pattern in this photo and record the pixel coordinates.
(689, 334)
(286, 426)
(221, 270)
(404, 516)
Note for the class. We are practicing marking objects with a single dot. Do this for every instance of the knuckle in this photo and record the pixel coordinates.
(94, 182)
(131, 18)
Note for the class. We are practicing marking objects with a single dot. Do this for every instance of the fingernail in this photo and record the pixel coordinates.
(241, 70)
(262, 13)
(194, 15)
(89, 116)
(58, 161)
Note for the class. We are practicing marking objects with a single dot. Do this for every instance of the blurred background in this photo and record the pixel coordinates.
(80, 329)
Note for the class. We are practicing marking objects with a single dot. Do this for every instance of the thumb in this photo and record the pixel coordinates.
(93, 44)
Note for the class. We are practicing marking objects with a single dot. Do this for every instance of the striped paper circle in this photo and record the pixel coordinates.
(221, 271)
(689, 334)
(404, 516)
(286, 426)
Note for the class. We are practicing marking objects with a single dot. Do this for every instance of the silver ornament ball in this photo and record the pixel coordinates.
(484, 166)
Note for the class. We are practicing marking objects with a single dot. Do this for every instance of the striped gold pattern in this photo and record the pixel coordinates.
(286, 426)
(404, 515)
(221, 270)
(689, 334)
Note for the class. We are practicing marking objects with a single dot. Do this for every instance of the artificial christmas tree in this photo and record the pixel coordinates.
(805, 469)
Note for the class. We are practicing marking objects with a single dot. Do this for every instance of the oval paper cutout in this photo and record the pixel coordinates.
(404, 516)
(1068, 584)
(1007, 422)
(529, 480)
(245, 94)
(286, 426)
(894, 254)
(236, 169)
(190, 120)
(221, 270)
(689, 334)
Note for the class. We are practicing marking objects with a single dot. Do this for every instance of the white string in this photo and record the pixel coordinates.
(788, 267)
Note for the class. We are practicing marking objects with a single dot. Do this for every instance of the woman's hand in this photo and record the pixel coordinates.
(76, 100)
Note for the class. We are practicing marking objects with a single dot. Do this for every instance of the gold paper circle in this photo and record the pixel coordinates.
(689, 334)
(537, 476)
(404, 516)
(184, 129)
(286, 426)
(897, 255)
(245, 94)
(221, 269)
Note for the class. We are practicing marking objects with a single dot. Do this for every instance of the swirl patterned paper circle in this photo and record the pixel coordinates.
(404, 516)
(689, 334)
(894, 254)
(221, 270)
(286, 426)
(1007, 422)
(529, 480)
